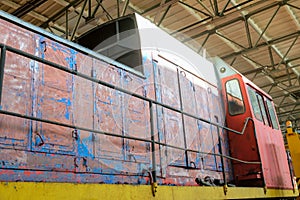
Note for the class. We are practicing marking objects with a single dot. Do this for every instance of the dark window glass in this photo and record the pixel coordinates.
(132, 59)
(99, 37)
(263, 109)
(272, 114)
(254, 104)
(234, 97)
(118, 40)
(126, 27)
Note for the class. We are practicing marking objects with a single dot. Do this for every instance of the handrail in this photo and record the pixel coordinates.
(119, 136)
(2, 63)
(246, 123)
(90, 78)
(5, 48)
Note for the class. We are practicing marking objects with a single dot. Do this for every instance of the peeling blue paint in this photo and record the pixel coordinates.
(110, 99)
(84, 145)
(67, 103)
(199, 125)
(72, 59)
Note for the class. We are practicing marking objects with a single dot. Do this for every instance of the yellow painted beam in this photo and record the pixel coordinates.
(54, 191)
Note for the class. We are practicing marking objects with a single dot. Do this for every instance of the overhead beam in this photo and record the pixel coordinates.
(211, 13)
(164, 15)
(158, 6)
(277, 70)
(60, 13)
(33, 14)
(195, 9)
(224, 8)
(107, 13)
(216, 8)
(162, 2)
(290, 104)
(27, 7)
(118, 8)
(288, 112)
(268, 24)
(263, 44)
(221, 22)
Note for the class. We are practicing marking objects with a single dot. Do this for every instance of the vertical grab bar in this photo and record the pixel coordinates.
(2, 64)
(154, 184)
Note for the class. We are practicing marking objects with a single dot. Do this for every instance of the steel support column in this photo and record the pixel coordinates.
(125, 7)
(78, 20)
(164, 15)
(248, 32)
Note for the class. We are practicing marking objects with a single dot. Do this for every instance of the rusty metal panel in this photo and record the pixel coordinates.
(56, 95)
(107, 112)
(136, 119)
(53, 99)
(17, 37)
(168, 83)
(53, 104)
(57, 53)
(136, 124)
(193, 141)
(187, 89)
(206, 136)
(133, 83)
(108, 118)
(14, 132)
(148, 84)
(17, 159)
(106, 72)
(16, 97)
(215, 118)
(174, 136)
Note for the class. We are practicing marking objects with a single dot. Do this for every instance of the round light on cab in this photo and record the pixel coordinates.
(222, 69)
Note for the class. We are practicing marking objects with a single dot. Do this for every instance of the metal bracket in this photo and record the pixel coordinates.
(154, 188)
(225, 189)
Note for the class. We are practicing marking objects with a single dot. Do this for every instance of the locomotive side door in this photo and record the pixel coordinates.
(247, 171)
(269, 137)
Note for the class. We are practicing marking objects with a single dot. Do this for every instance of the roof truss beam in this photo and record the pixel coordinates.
(27, 7)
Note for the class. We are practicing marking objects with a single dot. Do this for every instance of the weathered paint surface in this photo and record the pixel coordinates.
(32, 151)
(36, 151)
(260, 142)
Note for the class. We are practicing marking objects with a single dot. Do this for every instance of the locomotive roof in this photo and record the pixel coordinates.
(142, 35)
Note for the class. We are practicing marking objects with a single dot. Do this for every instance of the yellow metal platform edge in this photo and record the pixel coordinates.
(49, 191)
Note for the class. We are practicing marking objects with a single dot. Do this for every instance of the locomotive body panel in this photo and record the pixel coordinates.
(60, 153)
(70, 115)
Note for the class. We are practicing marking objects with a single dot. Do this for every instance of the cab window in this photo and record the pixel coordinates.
(254, 104)
(234, 97)
(263, 109)
(272, 114)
